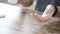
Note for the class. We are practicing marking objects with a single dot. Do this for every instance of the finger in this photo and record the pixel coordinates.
(36, 16)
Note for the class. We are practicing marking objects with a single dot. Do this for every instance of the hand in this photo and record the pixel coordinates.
(39, 18)
(36, 17)
(46, 15)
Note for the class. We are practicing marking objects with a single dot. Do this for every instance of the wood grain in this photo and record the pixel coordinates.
(27, 25)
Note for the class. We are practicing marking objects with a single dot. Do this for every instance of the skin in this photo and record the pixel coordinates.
(48, 11)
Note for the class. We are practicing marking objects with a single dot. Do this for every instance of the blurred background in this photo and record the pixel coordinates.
(32, 7)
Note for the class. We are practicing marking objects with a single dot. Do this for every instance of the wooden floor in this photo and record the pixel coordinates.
(25, 24)
(14, 23)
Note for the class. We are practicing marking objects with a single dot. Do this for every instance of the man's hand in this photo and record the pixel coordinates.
(46, 15)
(39, 18)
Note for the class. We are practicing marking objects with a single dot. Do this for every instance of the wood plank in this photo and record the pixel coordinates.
(27, 25)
